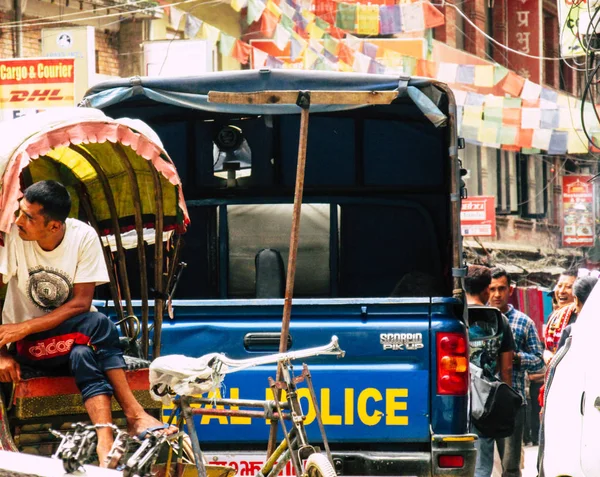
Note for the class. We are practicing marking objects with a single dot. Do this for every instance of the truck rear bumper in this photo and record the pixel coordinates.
(412, 463)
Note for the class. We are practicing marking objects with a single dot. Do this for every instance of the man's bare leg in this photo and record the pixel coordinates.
(138, 420)
(98, 408)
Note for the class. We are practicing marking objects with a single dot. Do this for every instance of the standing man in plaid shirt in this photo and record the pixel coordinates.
(527, 359)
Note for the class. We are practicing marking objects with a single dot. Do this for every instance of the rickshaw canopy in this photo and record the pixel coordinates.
(93, 154)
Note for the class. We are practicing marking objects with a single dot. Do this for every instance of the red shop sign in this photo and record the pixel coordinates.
(478, 217)
(578, 211)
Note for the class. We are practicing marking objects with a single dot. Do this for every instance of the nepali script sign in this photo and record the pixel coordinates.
(578, 211)
(478, 217)
(37, 83)
(524, 34)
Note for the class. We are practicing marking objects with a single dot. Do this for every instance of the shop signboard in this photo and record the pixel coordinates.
(35, 84)
(578, 211)
(478, 216)
(524, 33)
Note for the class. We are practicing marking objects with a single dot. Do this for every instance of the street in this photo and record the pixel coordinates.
(529, 461)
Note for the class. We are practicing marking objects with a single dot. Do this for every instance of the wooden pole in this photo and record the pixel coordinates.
(304, 103)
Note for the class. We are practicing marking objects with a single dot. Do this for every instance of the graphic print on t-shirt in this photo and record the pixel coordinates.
(48, 288)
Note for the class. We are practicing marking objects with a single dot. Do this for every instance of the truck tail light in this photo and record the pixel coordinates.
(452, 364)
(451, 461)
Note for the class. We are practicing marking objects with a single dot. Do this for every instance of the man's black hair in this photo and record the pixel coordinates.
(498, 272)
(478, 279)
(52, 196)
(583, 287)
(571, 272)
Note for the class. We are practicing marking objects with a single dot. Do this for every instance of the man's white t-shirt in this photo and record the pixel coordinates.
(41, 281)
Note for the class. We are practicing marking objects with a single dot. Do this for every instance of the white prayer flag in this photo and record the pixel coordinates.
(531, 91)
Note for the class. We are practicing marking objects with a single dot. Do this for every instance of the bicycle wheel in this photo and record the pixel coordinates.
(317, 465)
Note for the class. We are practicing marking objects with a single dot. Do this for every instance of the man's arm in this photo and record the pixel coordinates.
(531, 358)
(506, 366)
(81, 302)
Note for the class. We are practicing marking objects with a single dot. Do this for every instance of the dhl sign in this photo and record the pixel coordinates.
(37, 83)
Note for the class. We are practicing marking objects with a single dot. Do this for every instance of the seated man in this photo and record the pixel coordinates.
(52, 265)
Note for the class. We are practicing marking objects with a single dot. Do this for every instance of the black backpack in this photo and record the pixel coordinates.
(494, 405)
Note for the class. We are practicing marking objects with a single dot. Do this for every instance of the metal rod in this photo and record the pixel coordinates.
(288, 436)
(139, 229)
(110, 201)
(291, 269)
(159, 282)
(189, 419)
(239, 402)
(238, 413)
(313, 398)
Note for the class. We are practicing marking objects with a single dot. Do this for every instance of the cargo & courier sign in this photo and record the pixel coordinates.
(37, 83)
(478, 217)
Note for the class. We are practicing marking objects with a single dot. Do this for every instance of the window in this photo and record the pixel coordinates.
(246, 239)
(533, 171)
(507, 182)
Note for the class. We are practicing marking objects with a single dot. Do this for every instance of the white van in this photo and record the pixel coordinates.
(569, 444)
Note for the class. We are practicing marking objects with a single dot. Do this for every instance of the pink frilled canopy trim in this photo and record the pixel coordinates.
(80, 133)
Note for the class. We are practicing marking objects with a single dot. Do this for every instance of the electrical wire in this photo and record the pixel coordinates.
(25, 23)
(99, 17)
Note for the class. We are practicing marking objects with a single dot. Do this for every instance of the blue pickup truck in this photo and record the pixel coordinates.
(379, 259)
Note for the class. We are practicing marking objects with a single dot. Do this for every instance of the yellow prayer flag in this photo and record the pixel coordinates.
(391, 58)
(310, 57)
(314, 32)
(488, 135)
(237, 5)
(345, 67)
(484, 75)
(492, 101)
(308, 15)
(274, 8)
(577, 143)
(472, 116)
(368, 19)
(210, 33)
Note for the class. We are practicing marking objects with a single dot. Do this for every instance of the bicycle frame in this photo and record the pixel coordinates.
(295, 445)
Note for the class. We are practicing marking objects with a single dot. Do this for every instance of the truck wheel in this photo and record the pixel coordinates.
(317, 465)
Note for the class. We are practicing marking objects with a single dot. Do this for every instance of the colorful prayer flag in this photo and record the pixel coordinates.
(432, 17)
(241, 52)
(369, 49)
(268, 23)
(192, 26)
(237, 5)
(484, 76)
(412, 17)
(226, 44)
(211, 33)
(345, 17)
(281, 37)
(367, 19)
(390, 19)
(558, 142)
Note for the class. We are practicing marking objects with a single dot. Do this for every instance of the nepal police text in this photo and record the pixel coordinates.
(368, 406)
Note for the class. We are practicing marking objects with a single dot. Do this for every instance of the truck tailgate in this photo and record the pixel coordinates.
(379, 392)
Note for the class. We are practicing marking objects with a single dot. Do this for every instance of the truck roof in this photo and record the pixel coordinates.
(191, 92)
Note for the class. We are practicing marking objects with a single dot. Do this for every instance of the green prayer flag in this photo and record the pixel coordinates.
(287, 23)
(226, 44)
(500, 73)
(493, 115)
(508, 135)
(512, 102)
(345, 17)
(255, 11)
(322, 24)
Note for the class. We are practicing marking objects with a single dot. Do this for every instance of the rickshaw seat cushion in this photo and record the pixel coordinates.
(41, 395)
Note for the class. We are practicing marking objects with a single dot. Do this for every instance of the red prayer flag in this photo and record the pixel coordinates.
(346, 54)
(511, 117)
(524, 138)
(513, 84)
(241, 51)
(432, 16)
(268, 23)
(336, 32)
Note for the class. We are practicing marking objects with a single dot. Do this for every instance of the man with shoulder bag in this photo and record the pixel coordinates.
(495, 403)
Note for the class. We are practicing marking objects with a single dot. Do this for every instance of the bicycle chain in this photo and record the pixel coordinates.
(77, 449)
